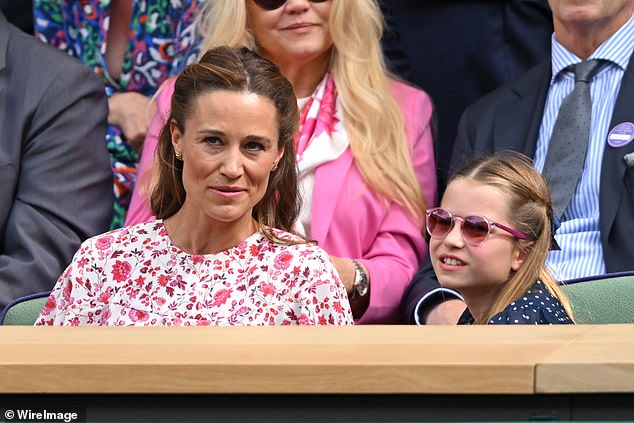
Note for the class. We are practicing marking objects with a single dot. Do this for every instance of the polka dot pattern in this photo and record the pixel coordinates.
(537, 307)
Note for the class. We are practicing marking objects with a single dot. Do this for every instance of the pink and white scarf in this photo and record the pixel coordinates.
(321, 138)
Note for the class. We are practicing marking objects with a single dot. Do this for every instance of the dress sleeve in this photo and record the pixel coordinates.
(324, 300)
(74, 288)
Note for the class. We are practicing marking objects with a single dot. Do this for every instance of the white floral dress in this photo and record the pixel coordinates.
(136, 276)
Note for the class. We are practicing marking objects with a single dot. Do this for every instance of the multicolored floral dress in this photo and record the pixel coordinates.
(136, 276)
(162, 39)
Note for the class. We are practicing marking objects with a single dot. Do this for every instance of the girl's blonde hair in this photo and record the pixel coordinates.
(531, 212)
(373, 119)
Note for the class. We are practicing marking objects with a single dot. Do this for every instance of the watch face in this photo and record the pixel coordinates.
(362, 287)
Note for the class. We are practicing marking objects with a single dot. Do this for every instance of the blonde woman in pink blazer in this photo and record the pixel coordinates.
(364, 148)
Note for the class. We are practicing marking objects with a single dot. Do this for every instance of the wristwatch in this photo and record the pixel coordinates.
(361, 281)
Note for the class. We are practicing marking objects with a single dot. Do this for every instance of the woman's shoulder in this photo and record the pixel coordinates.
(297, 245)
(122, 237)
(413, 102)
(293, 240)
(405, 91)
(286, 236)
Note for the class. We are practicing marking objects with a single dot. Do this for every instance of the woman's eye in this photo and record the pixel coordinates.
(212, 140)
(254, 146)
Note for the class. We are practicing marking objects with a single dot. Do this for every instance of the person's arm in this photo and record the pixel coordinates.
(347, 272)
(323, 296)
(139, 210)
(77, 288)
(398, 246)
(382, 237)
(56, 311)
(426, 302)
(64, 189)
(131, 112)
(391, 259)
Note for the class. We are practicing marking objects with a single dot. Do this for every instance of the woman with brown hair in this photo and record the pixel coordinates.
(221, 251)
(364, 144)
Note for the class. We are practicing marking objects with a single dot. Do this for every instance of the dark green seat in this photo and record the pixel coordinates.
(602, 299)
(24, 311)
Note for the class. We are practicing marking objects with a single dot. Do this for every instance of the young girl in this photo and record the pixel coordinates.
(490, 239)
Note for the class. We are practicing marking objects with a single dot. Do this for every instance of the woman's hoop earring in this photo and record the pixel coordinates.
(274, 167)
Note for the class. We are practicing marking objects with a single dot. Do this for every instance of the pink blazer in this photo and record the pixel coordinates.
(348, 218)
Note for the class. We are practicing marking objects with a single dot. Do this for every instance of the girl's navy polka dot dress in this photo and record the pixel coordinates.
(536, 307)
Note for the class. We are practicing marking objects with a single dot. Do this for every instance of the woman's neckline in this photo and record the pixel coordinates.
(178, 249)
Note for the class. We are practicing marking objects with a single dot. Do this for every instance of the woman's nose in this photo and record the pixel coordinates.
(232, 164)
(297, 5)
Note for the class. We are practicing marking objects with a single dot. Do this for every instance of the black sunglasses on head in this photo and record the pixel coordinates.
(276, 4)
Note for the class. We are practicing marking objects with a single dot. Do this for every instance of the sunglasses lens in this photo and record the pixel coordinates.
(475, 229)
(269, 4)
(276, 4)
(438, 223)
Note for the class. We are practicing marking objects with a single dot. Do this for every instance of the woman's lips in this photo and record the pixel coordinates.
(299, 27)
(228, 191)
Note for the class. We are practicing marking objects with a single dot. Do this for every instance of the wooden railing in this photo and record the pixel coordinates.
(318, 360)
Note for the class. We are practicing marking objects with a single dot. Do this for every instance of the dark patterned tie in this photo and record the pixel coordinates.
(569, 141)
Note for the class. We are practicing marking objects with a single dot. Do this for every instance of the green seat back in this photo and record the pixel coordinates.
(25, 311)
(605, 299)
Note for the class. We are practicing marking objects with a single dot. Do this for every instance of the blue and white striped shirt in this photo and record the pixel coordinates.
(578, 236)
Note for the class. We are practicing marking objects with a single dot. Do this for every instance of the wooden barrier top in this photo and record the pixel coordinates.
(600, 361)
(318, 360)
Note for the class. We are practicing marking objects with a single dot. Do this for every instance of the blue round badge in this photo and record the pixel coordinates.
(622, 134)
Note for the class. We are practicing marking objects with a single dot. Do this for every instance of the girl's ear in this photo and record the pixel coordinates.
(521, 252)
